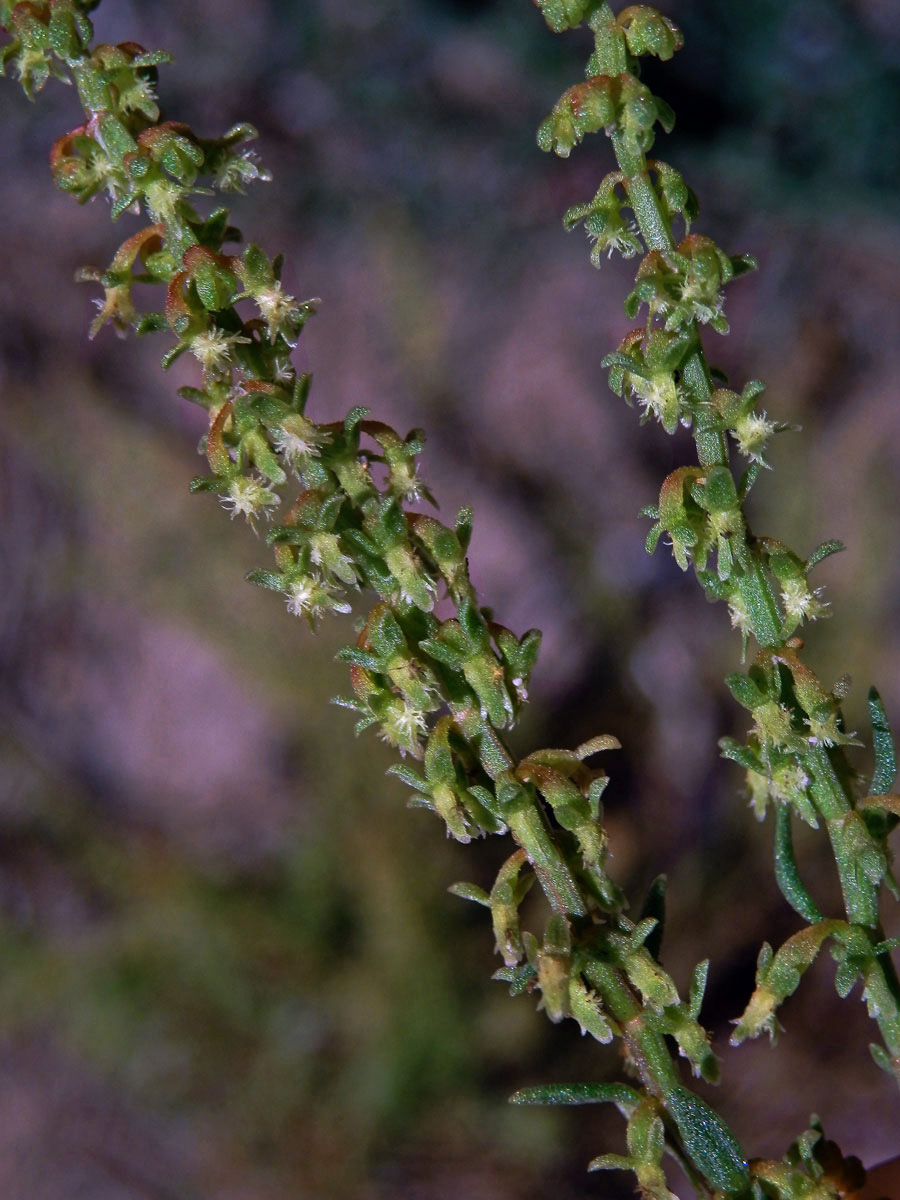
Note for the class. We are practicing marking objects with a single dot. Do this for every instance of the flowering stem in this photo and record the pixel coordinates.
(834, 797)
(822, 762)
(443, 692)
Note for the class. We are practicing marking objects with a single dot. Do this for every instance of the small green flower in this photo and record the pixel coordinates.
(298, 440)
(773, 724)
(249, 498)
(801, 603)
(751, 433)
(312, 598)
(606, 227)
(213, 348)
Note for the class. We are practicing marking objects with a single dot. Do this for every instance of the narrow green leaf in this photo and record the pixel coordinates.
(748, 479)
(824, 551)
(523, 817)
(745, 691)
(603, 741)
(786, 872)
(154, 322)
(710, 1144)
(883, 1060)
(742, 755)
(206, 483)
(420, 801)
(743, 264)
(409, 777)
(470, 891)
(579, 1093)
(885, 771)
(463, 527)
(655, 907)
(266, 579)
(518, 977)
(698, 989)
(611, 1162)
(360, 658)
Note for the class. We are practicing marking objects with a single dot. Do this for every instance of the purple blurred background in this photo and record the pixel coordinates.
(230, 965)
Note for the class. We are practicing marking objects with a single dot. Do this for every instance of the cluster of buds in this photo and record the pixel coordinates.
(601, 103)
(791, 573)
(647, 367)
(563, 971)
(637, 31)
(790, 762)
(684, 286)
(349, 527)
(45, 38)
(283, 317)
(738, 415)
(604, 223)
(791, 710)
(700, 511)
(778, 976)
(438, 690)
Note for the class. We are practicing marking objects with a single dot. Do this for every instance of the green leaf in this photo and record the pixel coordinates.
(824, 551)
(698, 989)
(655, 907)
(625, 1098)
(596, 745)
(649, 32)
(611, 1162)
(470, 891)
(742, 755)
(778, 976)
(518, 977)
(883, 1060)
(206, 483)
(745, 691)
(786, 872)
(152, 58)
(155, 322)
(564, 14)
(266, 579)
(719, 494)
(409, 777)
(653, 538)
(743, 264)
(846, 976)
(463, 527)
(885, 771)
(748, 479)
(665, 114)
(710, 1144)
(171, 355)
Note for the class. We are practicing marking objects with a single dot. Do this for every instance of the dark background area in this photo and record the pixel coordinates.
(230, 967)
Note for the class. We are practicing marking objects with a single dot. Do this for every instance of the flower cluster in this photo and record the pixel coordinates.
(794, 755)
(439, 690)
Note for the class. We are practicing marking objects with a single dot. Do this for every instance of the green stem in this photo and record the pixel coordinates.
(653, 223)
(647, 1047)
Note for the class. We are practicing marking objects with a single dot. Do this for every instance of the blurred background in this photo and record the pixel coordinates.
(230, 966)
